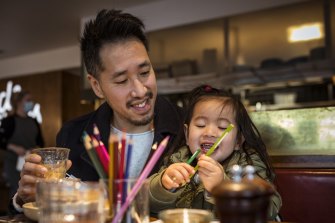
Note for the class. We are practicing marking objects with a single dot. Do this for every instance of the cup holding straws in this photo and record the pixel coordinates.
(138, 210)
(127, 198)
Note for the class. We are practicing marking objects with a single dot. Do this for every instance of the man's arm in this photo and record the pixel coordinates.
(30, 173)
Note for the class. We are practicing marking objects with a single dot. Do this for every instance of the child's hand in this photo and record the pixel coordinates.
(176, 175)
(210, 171)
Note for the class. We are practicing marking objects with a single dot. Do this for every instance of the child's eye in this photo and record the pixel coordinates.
(200, 126)
(222, 128)
(146, 73)
(121, 81)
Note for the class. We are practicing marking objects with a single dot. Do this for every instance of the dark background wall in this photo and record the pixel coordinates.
(58, 94)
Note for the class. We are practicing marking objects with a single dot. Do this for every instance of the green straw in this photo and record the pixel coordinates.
(190, 160)
(218, 141)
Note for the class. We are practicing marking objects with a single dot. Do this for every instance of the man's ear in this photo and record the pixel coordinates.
(95, 85)
(186, 133)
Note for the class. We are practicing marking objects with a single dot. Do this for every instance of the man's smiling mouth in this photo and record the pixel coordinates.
(141, 105)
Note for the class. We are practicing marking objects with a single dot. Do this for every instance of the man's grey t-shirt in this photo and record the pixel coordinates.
(141, 147)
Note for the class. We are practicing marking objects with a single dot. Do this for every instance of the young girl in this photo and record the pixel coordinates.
(209, 112)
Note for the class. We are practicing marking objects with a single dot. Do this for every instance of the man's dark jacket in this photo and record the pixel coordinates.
(168, 119)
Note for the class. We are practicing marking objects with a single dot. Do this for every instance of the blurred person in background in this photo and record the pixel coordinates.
(19, 133)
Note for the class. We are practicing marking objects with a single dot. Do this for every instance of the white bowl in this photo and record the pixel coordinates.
(31, 211)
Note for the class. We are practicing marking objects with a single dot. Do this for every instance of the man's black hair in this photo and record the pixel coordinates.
(109, 26)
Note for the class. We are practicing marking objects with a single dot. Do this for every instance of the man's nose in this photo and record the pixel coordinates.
(139, 90)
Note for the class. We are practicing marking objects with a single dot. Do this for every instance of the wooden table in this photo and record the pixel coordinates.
(21, 218)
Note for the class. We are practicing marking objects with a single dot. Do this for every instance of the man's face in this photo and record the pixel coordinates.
(128, 84)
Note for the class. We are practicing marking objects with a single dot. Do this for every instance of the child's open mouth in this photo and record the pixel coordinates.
(205, 147)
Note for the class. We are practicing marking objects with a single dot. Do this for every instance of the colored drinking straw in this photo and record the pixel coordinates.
(145, 173)
(122, 157)
(96, 132)
(195, 154)
(113, 162)
(93, 156)
(189, 161)
(122, 168)
(100, 148)
(128, 159)
(102, 153)
(104, 157)
(126, 172)
(116, 163)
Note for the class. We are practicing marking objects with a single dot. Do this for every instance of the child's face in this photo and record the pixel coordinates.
(209, 120)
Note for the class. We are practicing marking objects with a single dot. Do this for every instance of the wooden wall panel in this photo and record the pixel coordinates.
(46, 90)
(71, 103)
(58, 93)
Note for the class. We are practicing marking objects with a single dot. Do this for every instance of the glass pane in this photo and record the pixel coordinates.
(187, 50)
(262, 38)
(298, 131)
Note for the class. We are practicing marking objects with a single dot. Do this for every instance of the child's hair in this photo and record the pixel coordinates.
(245, 126)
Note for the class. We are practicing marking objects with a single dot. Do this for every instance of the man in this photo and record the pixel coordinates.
(115, 52)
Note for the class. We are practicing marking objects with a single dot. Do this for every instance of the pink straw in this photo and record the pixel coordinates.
(103, 155)
(148, 168)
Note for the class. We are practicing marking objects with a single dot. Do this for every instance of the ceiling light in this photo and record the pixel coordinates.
(305, 32)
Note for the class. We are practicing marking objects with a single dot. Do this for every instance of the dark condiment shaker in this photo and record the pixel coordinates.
(243, 200)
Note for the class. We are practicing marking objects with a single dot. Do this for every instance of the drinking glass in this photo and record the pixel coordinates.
(138, 210)
(54, 159)
(61, 201)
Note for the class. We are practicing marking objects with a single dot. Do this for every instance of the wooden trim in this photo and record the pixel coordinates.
(303, 161)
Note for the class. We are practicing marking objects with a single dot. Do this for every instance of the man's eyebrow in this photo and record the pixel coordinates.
(145, 64)
(119, 73)
(122, 72)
